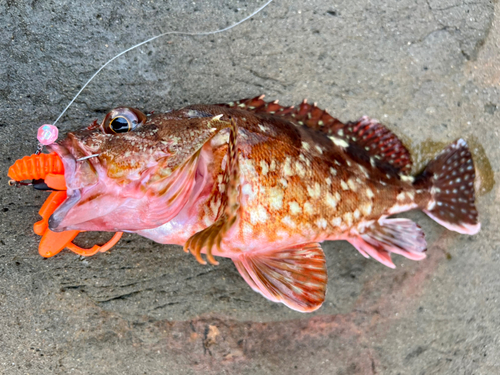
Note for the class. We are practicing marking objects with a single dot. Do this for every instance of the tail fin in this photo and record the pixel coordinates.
(450, 178)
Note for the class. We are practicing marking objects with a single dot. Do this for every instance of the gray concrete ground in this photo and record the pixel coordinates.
(426, 68)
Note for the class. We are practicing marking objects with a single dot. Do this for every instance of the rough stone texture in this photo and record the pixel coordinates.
(426, 68)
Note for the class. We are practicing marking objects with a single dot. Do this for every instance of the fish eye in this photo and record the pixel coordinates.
(122, 120)
(120, 125)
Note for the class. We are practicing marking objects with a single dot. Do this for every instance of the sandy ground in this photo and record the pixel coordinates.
(428, 69)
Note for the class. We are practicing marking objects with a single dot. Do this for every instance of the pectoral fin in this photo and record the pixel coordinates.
(295, 276)
(400, 236)
(225, 196)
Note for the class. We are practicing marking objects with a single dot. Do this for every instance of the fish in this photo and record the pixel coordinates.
(261, 184)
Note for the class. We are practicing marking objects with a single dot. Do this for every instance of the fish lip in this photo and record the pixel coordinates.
(68, 160)
(68, 150)
(60, 213)
(72, 195)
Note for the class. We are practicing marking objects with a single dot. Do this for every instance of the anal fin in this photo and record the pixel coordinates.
(228, 209)
(295, 276)
(399, 236)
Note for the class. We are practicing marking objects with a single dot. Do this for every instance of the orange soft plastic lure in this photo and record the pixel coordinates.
(37, 166)
(50, 169)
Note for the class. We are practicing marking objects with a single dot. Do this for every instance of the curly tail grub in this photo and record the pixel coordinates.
(36, 167)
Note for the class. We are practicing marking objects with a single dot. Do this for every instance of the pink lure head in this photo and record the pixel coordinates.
(47, 134)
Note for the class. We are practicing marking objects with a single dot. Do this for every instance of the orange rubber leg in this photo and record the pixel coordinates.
(96, 248)
(53, 242)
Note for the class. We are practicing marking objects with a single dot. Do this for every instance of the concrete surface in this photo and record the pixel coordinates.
(426, 68)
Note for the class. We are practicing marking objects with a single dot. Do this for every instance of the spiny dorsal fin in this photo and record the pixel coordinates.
(305, 114)
(295, 276)
(374, 138)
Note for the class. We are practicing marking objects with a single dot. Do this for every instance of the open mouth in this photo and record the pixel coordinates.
(56, 172)
(72, 196)
(80, 174)
(77, 174)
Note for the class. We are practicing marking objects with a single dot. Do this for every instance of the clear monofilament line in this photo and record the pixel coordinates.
(150, 40)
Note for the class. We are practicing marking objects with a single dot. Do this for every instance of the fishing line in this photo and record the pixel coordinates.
(202, 33)
(48, 133)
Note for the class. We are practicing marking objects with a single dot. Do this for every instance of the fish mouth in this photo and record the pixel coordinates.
(97, 201)
(79, 175)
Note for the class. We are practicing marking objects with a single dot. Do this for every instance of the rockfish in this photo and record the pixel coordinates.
(261, 184)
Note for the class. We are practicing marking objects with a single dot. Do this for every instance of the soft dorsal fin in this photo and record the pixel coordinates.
(379, 142)
(371, 136)
(295, 276)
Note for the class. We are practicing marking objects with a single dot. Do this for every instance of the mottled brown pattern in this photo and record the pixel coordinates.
(301, 181)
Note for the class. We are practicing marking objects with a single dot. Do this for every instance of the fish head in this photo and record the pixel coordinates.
(131, 171)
